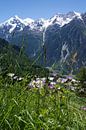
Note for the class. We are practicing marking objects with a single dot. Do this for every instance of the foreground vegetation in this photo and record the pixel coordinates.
(36, 108)
(43, 108)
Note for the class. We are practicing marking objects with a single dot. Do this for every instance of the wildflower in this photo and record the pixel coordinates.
(59, 80)
(83, 108)
(51, 86)
(69, 77)
(11, 74)
(53, 83)
(64, 80)
(58, 88)
(51, 78)
(15, 77)
(20, 78)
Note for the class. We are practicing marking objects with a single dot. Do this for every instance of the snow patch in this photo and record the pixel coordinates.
(28, 21)
(12, 28)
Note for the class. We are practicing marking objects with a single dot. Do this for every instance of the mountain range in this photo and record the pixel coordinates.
(60, 40)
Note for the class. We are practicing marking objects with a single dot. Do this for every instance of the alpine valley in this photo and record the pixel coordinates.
(59, 42)
(42, 70)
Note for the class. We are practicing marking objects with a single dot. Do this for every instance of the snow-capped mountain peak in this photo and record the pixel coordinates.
(12, 20)
(40, 24)
(12, 23)
(74, 14)
(78, 15)
(62, 19)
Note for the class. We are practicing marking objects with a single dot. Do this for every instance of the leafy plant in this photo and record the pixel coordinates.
(82, 77)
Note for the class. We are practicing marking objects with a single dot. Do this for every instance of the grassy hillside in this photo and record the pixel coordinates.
(43, 108)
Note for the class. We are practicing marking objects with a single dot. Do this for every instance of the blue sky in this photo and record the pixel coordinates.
(39, 8)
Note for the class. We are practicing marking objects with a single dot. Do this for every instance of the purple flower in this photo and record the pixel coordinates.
(69, 77)
(64, 80)
(83, 108)
(51, 86)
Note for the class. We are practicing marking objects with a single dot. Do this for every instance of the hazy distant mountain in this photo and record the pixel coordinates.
(63, 37)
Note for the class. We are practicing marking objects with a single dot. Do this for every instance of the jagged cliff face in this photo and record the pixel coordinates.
(61, 38)
(67, 44)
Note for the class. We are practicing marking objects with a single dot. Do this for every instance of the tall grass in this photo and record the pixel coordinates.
(39, 109)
